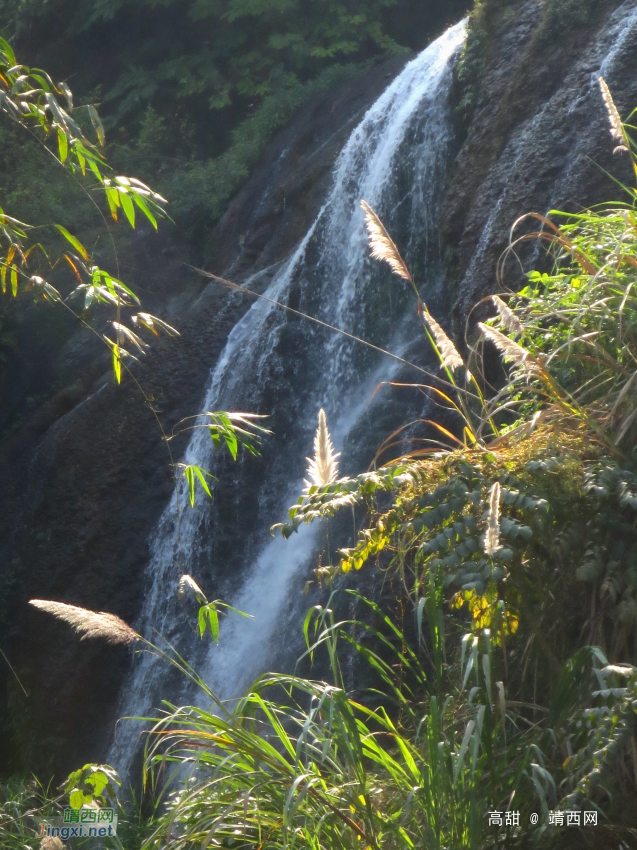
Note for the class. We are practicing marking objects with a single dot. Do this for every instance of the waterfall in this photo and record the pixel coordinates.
(277, 364)
(508, 198)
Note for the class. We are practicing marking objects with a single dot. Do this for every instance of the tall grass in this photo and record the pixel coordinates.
(305, 763)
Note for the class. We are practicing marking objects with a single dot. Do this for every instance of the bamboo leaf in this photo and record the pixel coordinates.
(75, 242)
(63, 145)
(117, 363)
(97, 124)
(127, 206)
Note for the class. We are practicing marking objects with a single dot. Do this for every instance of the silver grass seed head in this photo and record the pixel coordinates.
(52, 842)
(187, 581)
(381, 244)
(323, 467)
(510, 321)
(510, 350)
(450, 358)
(491, 542)
(89, 624)
(616, 126)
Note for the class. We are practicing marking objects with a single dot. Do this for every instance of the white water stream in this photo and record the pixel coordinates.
(395, 159)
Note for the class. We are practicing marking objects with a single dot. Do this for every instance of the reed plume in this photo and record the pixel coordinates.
(616, 126)
(450, 357)
(382, 245)
(89, 624)
(510, 321)
(52, 842)
(187, 581)
(509, 349)
(491, 542)
(323, 467)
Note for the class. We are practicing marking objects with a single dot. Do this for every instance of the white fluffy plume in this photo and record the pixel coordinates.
(616, 127)
(382, 245)
(510, 321)
(187, 581)
(492, 536)
(510, 350)
(323, 467)
(89, 624)
(450, 358)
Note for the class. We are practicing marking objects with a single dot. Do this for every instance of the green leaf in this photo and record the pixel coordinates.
(74, 241)
(78, 798)
(112, 196)
(97, 124)
(14, 280)
(8, 52)
(93, 166)
(127, 206)
(200, 475)
(192, 473)
(63, 145)
(141, 203)
(213, 618)
(117, 364)
(190, 478)
(68, 94)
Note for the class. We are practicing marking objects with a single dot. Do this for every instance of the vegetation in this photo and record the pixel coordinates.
(193, 108)
(499, 545)
(499, 675)
(483, 687)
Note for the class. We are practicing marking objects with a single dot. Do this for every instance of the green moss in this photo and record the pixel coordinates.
(483, 22)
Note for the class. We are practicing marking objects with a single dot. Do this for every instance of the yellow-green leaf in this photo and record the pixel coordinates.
(127, 206)
(63, 145)
(74, 241)
(117, 364)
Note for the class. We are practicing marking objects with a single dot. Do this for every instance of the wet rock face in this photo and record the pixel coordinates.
(84, 481)
(538, 139)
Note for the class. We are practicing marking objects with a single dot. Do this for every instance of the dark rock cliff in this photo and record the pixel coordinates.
(84, 480)
(538, 139)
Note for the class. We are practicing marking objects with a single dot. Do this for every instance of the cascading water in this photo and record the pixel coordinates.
(276, 364)
(612, 47)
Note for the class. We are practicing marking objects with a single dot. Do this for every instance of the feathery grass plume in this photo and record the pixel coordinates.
(382, 245)
(491, 541)
(450, 357)
(509, 320)
(616, 125)
(323, 467)
(52, 843)
(89, 624)
(188, 581)
(509, 349)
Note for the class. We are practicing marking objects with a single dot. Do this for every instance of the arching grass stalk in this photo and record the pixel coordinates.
(383, 248)
(113, 630)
